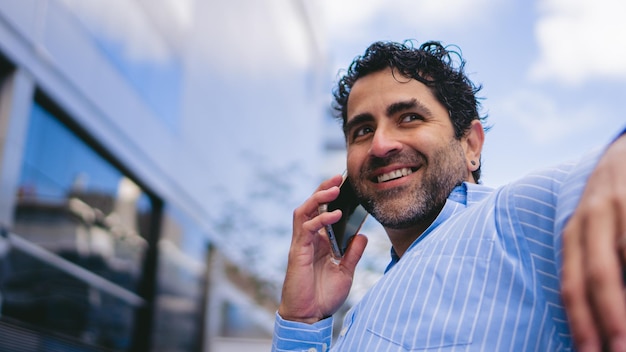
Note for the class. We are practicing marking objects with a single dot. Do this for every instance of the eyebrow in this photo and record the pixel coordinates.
(407, 105)
(355, 121)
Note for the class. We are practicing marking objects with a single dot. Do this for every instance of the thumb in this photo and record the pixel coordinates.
(354, 252)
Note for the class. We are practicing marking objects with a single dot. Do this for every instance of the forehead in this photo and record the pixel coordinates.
(377, 91)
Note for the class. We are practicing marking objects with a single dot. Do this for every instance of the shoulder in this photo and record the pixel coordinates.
(532, 204)
(554, 184)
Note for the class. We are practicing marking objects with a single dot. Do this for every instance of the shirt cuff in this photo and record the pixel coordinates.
(296, 336)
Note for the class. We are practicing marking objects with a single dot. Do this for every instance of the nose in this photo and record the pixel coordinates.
(384, 143)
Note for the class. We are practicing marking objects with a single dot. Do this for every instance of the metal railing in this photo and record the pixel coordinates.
(19, 243)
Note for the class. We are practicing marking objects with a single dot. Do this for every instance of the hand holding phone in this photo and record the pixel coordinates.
(353, 216)
(314, 289)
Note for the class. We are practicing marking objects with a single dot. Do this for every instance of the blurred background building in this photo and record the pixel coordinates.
(151, 154)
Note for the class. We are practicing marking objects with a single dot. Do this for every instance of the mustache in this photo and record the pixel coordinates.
(375, 162)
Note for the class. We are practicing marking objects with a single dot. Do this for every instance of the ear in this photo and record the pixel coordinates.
(472, 144)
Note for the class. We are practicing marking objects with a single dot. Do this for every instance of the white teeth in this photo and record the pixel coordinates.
(394, 174)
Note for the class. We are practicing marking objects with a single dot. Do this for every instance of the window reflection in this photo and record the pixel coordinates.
(38, 294)
(75, 204)
(182, 284)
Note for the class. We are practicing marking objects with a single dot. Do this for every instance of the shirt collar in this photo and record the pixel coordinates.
(468, 194)
(461, 197)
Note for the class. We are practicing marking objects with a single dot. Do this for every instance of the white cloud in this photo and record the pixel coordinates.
(349, 18)
(342, 15)
(580, 40)
(442, 12)
(543, 120)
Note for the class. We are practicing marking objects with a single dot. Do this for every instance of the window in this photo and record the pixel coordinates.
(182, 279)
(93, 223)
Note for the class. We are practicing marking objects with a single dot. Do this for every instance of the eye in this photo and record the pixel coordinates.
(361, 131)
(411, 117)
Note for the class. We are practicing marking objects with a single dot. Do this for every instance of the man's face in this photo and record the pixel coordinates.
(403, 158)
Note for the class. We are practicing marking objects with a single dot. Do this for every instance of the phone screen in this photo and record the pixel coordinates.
(352, 218)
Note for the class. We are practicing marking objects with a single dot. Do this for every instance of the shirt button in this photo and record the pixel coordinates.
(343, 331)
(312, 349)
(324, 347)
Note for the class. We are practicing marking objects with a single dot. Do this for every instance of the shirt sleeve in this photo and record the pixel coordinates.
(295, 336)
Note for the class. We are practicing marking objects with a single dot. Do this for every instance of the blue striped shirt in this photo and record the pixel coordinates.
(483, 277)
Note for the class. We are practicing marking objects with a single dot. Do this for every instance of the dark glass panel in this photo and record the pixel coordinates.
(181, 284)
(76, 204)
(78, 243)
(52, 301)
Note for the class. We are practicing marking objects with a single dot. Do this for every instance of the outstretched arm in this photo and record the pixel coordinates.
(594, 254)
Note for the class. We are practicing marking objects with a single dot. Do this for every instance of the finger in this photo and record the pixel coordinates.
(610, 209)
(305, 238)
(333, 181)
(622, 252)
(310, 208)
(620, 193)
(618, 340)
(605, 273)
(354, 252)
(573, 291)
(318, 222)
(327, 191)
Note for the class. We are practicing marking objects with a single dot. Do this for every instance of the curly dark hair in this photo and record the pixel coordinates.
(432, 64)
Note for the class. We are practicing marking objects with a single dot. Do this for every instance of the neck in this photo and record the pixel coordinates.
(401, 239)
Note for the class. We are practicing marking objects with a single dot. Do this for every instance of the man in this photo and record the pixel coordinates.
(472, 268)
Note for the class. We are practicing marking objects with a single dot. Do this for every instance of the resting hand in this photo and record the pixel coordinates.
(315, 287)
(594, 251)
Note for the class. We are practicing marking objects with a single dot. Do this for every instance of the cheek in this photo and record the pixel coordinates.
(354, 160)
(428, 143)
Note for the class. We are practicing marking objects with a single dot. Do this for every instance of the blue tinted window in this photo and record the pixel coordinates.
(181, 284)
(57, 161)
(80, 235)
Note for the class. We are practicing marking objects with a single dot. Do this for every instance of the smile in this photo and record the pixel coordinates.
(394, 175)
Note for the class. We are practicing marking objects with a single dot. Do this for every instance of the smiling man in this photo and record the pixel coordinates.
(472, 268)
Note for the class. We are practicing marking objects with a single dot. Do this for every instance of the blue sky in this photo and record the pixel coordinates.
(553, 71)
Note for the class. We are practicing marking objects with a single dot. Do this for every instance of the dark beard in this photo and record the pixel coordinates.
(402, 208)
(421, 213)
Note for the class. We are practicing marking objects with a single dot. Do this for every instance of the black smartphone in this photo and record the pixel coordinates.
(352, 218)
